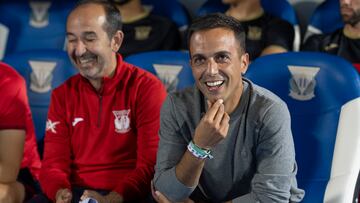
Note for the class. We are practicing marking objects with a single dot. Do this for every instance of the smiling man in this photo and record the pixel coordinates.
(226, 139)
(102, 129)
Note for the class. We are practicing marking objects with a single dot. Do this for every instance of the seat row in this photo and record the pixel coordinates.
(41, 24)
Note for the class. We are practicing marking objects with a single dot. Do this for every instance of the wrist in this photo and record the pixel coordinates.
(199, 152)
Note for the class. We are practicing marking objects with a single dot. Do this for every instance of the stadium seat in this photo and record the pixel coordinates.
(279, 8)
(171, 67)
(30, 25)
(43, 70)
(325, 19)
(171, 9)
(323, 95)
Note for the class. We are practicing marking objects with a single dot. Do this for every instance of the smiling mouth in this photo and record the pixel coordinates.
(214, 85)
(86, 61)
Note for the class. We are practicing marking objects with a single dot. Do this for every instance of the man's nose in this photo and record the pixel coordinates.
(212, 67)
(80, 48)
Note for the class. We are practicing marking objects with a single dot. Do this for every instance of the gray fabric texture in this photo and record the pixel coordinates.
(255, 163)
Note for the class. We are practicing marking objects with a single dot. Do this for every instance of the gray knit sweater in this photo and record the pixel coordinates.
(255, 163)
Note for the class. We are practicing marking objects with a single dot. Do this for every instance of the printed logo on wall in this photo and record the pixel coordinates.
(41, 76)
(302, 84)
(122, 121)
(39, 16)
(168, 74)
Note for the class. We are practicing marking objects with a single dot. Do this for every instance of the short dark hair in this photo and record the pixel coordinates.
(113, 18)
(218, 20)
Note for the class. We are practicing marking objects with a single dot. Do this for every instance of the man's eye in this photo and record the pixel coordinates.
(198, 61)
(222, 58)
(71, 40)
(90, 39)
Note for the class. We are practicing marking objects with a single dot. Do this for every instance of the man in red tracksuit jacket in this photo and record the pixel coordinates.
(102, 128)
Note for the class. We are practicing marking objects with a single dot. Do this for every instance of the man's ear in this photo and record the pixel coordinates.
(244, 63)
(117, 40)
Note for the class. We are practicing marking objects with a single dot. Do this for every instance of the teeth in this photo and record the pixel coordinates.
(213, 84)
(85, 60)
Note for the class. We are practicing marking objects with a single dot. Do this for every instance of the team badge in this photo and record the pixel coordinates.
(168, 74)
(142, 32)
(39, 13)
(331, 47)
(254, 33)
(122, 121)
(41, 76)
(302, 84)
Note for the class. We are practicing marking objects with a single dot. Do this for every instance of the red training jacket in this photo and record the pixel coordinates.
(105, 140)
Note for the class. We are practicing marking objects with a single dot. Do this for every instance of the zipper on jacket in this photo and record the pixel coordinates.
(100, 110)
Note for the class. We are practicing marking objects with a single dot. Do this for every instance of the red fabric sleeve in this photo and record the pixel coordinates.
(148, 104)
(55, 169)
(15, 114)
(13, 111)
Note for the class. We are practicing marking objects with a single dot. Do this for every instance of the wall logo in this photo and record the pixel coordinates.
(39, 16)
(41, 76)
(122, 121)
(302, 84)
(168, 75)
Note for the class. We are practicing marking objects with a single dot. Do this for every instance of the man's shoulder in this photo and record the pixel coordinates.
(183, 100)
(323, 42)
(155, 19)
(139, 76)
(10, 78)
(7, 72)
(187, 95)
(71, 82)
(266, 97)
(271, 20)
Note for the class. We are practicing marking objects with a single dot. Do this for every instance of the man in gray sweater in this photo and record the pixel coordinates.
(226, 139)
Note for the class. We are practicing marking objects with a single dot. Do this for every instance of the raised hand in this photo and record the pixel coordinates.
(213, 127)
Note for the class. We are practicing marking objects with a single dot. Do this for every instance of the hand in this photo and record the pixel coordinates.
(213, 127)
(160, 198)
(12, 192)
(63, 196)
(112, 197)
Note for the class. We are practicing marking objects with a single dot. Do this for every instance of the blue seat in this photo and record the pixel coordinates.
(279, 8)
(325, 19)
(43, 70)
(32, 25)
(323, 95)
(171, 67)
(171, 9)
